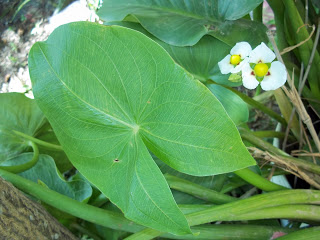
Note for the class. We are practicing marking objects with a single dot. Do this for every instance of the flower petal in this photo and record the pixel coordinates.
(225, 65)
(249, 80)
(239, 67)
(277, 77)
(261, 53)
(241, 48)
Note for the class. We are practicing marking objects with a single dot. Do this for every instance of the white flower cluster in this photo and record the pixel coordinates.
(257, 66)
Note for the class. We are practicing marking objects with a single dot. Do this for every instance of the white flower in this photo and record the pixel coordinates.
(237, 58)
(261, 69)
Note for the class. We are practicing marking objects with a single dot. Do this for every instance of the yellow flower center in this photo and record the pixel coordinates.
(261, 69)
(235, 59)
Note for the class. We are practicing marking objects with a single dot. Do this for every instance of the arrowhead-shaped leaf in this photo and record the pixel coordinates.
(179, 23)
(111, 94)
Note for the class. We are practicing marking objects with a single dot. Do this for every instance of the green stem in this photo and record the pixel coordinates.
(247, 135)
(234, 210)
(217, 232)
(234, 184)
(81, 210)
(308, 233)
(258, 181)
(191, 208)
(258, 90)
(255, 203)
(25, 166)
(39, 142)
(117, 221)
(305, 212)
(294, 22)
(198, 191)
(271, 134)
(258, 105)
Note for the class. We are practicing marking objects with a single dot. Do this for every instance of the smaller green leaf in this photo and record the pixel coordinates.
(46, 174)
(236, 108)
(21, 114)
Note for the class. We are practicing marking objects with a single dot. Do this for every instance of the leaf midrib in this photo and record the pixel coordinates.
(154, 203)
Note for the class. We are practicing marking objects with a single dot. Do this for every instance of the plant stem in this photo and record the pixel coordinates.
(258, 90)
(258, 181)
(239, 183)
(25, 166)
(117, 221)
(87, 212)
(306, 212)
(39, 142)
(252, 204)
(294, 23)
(218, 232)
(308, 233)
(247, 135)
(272, 201)
(271, 134)
(191, 208)
(198, 191)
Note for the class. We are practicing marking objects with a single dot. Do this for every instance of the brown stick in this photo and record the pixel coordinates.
(22, 218)
(287, 166)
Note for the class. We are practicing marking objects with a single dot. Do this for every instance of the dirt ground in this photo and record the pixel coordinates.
(20, 29)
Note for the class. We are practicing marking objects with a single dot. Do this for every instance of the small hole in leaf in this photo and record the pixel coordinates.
(116, 160)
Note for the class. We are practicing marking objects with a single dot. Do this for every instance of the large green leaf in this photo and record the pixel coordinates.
(179, 23)
(110, 94)
(19, 113)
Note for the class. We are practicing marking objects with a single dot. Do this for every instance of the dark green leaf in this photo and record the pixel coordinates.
(180, 23)
(231, 32)
(21, 114)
